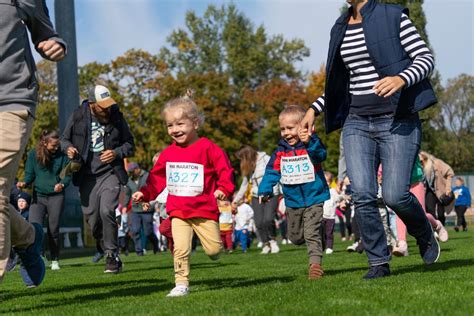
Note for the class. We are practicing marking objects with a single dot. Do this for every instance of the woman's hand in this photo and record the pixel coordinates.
(388, 86)
(20, 185)
(308, 121)
(58, 187)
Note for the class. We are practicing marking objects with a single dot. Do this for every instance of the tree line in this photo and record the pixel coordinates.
(242, 78)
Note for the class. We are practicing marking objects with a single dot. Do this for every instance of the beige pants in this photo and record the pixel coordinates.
(15, 128)
(208, 232)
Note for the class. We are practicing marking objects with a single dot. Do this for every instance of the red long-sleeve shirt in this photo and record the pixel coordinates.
(218, 175)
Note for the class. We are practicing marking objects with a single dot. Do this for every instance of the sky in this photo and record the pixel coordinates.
(106, 29)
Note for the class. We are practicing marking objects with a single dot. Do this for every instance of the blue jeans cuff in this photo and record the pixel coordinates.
(380, 261)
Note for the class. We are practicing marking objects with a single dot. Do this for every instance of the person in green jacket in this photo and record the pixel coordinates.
(43, 166)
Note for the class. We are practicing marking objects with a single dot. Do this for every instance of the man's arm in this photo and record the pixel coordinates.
(36, 17)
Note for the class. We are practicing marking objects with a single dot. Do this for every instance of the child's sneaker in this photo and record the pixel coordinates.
(266, 250)
(55, 265)
(315, 271)
(179, 290)
(274, 247)
(343, 239)
(284, 242)
(329, 251)
(260, 244)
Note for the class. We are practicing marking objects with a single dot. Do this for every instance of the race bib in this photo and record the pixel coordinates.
(184, 178)
(297, 170)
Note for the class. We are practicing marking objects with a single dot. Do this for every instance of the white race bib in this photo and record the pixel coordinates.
(297, 170)
(184, 178)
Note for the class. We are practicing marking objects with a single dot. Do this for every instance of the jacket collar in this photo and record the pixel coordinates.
(288, 147)
(364, 11)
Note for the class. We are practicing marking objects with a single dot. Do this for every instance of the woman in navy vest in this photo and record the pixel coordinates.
(376, 83)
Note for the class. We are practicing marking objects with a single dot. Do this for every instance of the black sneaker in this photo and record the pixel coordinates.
(430, 251)
(113, 264)
(376, 272)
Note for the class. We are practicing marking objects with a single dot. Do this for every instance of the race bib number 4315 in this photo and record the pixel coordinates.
(184, 178)
(297, 170)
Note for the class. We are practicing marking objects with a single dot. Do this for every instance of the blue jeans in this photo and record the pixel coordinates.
(394, 143)
(241, 237)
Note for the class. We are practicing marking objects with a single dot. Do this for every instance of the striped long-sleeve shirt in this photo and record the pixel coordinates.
(363, 75)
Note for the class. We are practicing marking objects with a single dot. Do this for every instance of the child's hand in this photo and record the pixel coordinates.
(304, 135)
(218, 194)
(263, 199)
(137, 197)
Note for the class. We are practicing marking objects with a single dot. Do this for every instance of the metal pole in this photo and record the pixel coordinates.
(68, 84)
(68, 98)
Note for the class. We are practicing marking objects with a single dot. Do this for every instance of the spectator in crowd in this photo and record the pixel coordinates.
(252, 168)
(141, 215)
(463, 202)
(438, 180)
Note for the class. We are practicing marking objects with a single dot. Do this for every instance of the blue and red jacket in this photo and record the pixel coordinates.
(297, 195)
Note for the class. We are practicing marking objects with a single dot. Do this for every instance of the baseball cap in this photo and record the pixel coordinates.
(101, 95)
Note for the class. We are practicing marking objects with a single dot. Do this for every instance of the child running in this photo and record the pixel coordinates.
(296, 163)
(196, 172)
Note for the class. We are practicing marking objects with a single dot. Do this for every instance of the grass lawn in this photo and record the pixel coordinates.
(243, 284)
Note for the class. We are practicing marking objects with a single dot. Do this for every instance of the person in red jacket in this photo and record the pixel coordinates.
(196, 173)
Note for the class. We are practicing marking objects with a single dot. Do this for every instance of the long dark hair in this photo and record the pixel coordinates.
(43, 155)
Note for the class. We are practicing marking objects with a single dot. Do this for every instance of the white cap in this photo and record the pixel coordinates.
(101, 95)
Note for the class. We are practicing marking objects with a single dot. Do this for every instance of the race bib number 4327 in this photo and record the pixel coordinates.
(297, 170)
(184, 178)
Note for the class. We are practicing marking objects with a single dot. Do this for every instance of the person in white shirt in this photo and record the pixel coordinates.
(242, 218)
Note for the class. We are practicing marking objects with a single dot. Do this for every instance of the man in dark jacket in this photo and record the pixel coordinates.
(98, 138)
(18, 98)
(141, 216)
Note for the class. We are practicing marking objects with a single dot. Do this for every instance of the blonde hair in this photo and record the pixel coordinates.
(187, 106)
(294, 110)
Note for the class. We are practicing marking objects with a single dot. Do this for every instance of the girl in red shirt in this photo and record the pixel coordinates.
(196, 173)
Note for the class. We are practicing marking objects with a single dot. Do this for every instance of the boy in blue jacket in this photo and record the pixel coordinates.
(296, 164)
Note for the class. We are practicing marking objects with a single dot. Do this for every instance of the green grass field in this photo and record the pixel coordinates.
(253, 284)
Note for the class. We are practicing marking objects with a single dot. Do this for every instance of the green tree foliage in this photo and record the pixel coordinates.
(453, 126)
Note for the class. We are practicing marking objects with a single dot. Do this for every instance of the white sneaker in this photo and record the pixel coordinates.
(274, 247)
(343, 239)
(284, 242)
(353, 247)
(266, 250)
(442, 232)
(329, 251)
(179, 290)
(55, 265)
(260, 244)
